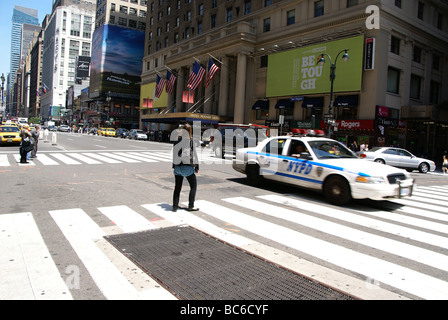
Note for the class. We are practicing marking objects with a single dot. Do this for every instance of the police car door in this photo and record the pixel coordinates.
(295, 169)
(270, 159)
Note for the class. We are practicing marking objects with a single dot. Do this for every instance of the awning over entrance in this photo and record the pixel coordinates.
(347, 101)
(313, 102)
(184, 116)
(284, 104)
(261, 105)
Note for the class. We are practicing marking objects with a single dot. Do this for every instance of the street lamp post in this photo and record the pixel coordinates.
(2, 111)
(321, 61)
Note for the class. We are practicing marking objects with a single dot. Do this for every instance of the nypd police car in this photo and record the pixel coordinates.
(322, 164)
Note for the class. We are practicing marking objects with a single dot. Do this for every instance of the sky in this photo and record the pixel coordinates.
(6, 10)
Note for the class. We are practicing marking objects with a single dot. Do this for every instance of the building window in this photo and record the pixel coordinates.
(393, 80)
(421, 10)
(213, 21)
(319, 8)
(416, 86)
(435, 62)
(395, 45)
(267, 3)
(291, 17)
(267, 25)
(417, 56)
(398, 3)
(434, 92)
(229, 14)
(247, 6)
(352, 3)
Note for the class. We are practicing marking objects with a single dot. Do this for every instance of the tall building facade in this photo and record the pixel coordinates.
(25, 23)
(67, 36)
(392, 91)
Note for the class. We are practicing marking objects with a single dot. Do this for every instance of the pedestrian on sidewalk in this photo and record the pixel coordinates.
(35, 136)
(185, 165)
(445, 162)
(26, 145)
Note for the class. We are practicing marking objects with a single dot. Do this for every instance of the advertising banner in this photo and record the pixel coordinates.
(147, 93)
(116, 65)
(297, 72)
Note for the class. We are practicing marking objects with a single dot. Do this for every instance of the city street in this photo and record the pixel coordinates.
(56, 211)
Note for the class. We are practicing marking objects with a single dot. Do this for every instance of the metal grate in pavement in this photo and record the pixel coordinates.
(195, 266)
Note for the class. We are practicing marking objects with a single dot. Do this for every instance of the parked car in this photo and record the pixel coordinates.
(399, 158)
(122, 133)
(109, 132)
(64, 128)
(10, 134)
(322, 164)
(138, 134)
(229, 137)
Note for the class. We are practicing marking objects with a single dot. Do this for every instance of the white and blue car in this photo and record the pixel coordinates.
(322, 164)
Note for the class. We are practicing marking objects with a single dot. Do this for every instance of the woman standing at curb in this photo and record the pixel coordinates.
(185, 164)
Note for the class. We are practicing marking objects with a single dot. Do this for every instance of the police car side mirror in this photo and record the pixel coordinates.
(306, 156)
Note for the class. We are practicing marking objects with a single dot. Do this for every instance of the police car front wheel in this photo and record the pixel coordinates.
(337, 191)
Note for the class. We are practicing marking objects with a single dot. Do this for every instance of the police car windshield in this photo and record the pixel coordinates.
(330, 150)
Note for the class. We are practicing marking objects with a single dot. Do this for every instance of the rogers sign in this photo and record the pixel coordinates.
(352, 124)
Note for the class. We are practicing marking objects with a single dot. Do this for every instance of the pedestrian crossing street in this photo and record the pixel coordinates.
(394, 250)
(98, 158)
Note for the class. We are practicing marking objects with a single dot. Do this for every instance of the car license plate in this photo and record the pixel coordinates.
(404, 192)
(9, 140)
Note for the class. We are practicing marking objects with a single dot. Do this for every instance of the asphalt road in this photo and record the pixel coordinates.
(54, 184)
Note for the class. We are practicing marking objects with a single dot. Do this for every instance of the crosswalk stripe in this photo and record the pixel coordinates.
(46, 160)
(4, 160)
(374, 223)
(26, 266)
(151, 155)
(118, 157)
(65, 159)
(127, 219)
(81, 231)
(17, 158)
(365, 238)
(101, 158)
(83, 158)
(430, 190)
(416, 283)
(136, 157)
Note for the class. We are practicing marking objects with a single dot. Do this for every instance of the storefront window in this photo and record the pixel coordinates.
(347, 113)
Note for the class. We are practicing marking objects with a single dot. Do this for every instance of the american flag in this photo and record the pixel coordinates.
(196, 76)
(212, 69)
(159, 87)
(170, 80)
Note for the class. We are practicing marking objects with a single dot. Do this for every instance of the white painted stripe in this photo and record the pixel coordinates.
(430, 201)
(423, 213)
(28, 272)
(412, 203)
(185, 218)
(372, 223)
(65, 159)
(431, 195)
(4, 160)
(127, 219)
(81, 231)
(163, 155)
(157, 156)
(101, 158)
(46, 160)
(420, 255)
(119, 158)
(17, 158)
(145, 157)
(132, 156)
(83, 158)
(431, 191)
(410, 281)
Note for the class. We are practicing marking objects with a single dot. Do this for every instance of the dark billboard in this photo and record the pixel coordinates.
(116, 65)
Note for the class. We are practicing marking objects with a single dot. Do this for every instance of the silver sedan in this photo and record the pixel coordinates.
(397, 157)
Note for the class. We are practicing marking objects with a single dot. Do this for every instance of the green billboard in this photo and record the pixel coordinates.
(297, 72)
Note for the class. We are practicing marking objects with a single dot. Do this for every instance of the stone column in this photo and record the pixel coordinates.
(224, 88)
(240, 88)
(179, 90)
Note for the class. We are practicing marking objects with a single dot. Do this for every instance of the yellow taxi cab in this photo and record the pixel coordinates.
(110, 132)
(10, 134)
(101, 131)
